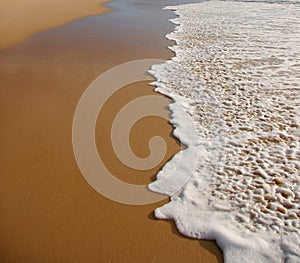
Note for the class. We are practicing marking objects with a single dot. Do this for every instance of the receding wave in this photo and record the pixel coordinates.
(236, 72)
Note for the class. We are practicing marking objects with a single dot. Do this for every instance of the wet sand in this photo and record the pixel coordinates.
(48, 213)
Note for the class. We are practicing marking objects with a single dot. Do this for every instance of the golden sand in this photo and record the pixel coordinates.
(48, 212)
(20, 19)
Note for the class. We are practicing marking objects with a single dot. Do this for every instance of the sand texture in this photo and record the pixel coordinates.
(21, 19)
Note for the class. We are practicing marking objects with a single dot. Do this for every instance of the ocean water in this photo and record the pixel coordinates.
(235, 82)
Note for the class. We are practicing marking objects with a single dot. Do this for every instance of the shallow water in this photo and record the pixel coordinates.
(236, 74)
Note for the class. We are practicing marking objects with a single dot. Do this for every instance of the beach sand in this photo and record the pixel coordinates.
(20, 19)
(48, 212)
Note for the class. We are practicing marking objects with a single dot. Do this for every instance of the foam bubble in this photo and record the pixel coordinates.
(237, 74)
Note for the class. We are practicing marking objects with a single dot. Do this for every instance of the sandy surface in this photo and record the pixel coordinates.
(48, 213)
(20, 19)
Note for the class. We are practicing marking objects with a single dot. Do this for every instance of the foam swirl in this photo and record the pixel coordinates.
(238, 65)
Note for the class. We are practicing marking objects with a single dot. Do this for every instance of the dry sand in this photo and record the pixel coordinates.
(20, 19)
(48, 213)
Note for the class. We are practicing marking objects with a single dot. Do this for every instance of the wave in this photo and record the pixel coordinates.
(236, 72)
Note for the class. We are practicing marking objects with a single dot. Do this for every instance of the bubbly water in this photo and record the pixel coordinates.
(236, 73)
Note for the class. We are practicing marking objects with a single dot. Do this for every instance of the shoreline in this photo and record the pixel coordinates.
(47, 205)
(31, 18)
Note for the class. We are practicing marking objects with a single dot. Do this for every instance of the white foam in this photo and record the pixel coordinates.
(237, 74)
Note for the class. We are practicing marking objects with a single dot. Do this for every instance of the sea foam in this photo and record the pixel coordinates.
(236, 70)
